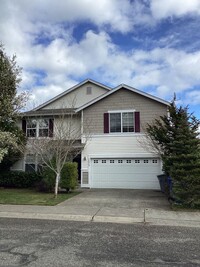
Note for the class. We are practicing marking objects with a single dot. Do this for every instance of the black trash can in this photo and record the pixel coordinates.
(163, 182)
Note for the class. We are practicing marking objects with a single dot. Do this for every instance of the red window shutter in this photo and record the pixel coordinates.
(24, 126)
(50, 127)
(106, 123)
(137, 122)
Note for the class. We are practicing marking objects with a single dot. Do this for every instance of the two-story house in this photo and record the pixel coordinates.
(114, 155)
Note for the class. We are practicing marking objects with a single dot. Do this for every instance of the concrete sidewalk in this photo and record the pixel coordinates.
(108, 206)
(112, 215)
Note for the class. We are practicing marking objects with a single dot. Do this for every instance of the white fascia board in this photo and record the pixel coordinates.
(70, 90)
(128, 88)
(142, 93)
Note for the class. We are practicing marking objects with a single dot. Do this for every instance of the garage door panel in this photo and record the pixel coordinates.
(125, 173)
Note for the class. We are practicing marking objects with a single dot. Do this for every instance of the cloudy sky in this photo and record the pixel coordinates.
(152, 45)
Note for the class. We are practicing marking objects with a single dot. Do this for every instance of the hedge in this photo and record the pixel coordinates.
(69, 176)
(47, 182)
(19, 179)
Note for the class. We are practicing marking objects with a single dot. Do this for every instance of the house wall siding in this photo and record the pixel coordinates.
(77, 97)
(116, 146)
(121, 100)
(70, 126)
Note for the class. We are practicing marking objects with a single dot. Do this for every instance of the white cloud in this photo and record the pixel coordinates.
(169, 70)
(193, 97)
(60, 61)
(166, 8)
(40, 94)
(114, 13)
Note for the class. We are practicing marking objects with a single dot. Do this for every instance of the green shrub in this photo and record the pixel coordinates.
(68, 180)
(47, 183)
(19, 179)
(69, 176)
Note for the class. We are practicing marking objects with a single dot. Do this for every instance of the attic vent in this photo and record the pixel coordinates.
(89, 90)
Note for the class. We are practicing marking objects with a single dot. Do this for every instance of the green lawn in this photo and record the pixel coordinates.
(32, 197)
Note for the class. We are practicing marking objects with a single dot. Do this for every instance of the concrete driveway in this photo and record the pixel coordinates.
(108, 205)
(120, 199)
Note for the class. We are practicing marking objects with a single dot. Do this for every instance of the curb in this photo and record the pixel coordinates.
(148, 219)
(112, 219)
(39, 216)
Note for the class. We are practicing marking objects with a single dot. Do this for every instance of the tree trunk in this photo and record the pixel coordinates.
(56, 185)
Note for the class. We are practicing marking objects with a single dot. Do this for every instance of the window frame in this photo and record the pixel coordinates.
(35, 163)
(29, 129)
(43, 128)
(38, 128)
(121, 112)
(32, 163)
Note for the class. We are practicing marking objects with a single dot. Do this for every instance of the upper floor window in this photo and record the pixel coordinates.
(38, 127)
(31, 128)
(122, 122)
(43, 127)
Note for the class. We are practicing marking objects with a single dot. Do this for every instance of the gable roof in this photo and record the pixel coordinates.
(123, 86)
(70, 90)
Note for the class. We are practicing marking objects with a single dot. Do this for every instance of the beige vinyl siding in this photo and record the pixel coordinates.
(77, 97)
(121, 100)
(71, 126)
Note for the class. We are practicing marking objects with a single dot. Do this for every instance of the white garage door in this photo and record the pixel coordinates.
(133, 173)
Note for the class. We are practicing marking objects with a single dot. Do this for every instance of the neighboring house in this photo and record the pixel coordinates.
(114, 156)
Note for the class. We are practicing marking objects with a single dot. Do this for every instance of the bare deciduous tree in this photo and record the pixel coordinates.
(65, 142)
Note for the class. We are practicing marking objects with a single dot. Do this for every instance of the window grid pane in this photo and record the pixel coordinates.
(115, 122)
(128, 122)
(31, 133)
(43, 127)
(30, 167)
(31, 123)
(43, 132)
(31, 128)
(43, 123)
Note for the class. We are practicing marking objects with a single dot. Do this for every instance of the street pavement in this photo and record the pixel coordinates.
(50, 243)
(113, 206)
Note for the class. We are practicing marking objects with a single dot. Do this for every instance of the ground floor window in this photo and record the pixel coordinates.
(32, 163)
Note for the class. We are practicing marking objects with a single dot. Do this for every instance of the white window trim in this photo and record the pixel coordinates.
(121, 111)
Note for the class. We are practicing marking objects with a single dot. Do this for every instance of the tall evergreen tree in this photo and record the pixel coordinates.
(176, 137)
(10, 105)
